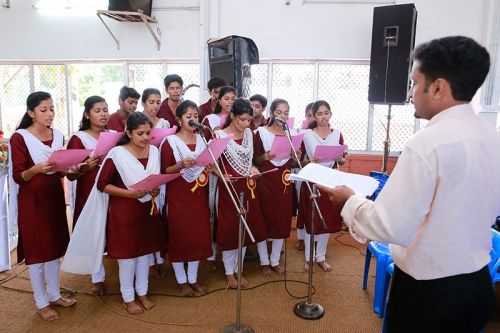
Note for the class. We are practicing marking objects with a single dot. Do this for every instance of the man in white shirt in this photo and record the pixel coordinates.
(440, 201)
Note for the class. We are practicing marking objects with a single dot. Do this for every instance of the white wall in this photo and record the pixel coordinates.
(298, 30)
(29, 33)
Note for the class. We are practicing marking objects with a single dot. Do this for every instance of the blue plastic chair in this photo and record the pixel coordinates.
(381, 252)
(494, 264)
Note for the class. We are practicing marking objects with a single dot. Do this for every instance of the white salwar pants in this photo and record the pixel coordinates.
(319, 253)
(274, 259)
(159, 259)
(45, 282)
(300, 233)
(99, 276)
(230, 260)
(192, 272)
(129, 269)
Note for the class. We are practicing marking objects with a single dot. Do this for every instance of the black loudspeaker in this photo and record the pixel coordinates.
(393, 39)
(143, 6)
(230, 58)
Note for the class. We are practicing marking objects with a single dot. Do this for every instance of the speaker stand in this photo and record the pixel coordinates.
(387, 142)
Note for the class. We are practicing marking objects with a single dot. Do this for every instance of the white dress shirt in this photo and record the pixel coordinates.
(440, 201)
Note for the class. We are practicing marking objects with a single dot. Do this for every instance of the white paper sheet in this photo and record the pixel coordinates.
(318, 174)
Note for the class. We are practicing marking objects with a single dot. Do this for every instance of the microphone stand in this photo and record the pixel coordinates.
(238, 327)
(238, 207)
(308, 309)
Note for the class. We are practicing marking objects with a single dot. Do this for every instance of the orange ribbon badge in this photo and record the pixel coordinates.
(154, 209)
(285, 179)
(251, 184)
(201, 181)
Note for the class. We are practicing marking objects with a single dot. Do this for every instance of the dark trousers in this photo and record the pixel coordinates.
(455, 304)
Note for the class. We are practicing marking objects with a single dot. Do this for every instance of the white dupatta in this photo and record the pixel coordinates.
(39, 153)
(85, 249)
(182, 151)
(213, 120)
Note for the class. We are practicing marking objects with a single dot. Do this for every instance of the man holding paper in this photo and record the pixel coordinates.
(441, 199)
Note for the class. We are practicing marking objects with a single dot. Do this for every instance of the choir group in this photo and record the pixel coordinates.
(190, 219)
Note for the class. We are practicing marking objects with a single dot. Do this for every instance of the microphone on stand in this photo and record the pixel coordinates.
(281, 121)
(201, 127)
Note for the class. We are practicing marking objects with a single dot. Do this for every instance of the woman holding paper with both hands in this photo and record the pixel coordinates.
(94, 122)
(131, 213)
(275, 189)
(187, 210)
(320, 134)
(237, 161)
(37, 202)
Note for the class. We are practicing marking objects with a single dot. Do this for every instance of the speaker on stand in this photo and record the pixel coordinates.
(393, 39)
(230, 58)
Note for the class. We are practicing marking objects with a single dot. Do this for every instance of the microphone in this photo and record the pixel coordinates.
(201, 127)
(281, 121)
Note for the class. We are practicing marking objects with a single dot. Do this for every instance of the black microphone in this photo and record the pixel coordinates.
(281, 121)
(194, 123)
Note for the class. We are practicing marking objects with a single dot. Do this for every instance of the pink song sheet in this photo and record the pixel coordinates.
(217, 146)
(154, 181)
(329, 153)
(107, 141)
(281, 147)
(253, 176)
(65, 159)
(158, 134)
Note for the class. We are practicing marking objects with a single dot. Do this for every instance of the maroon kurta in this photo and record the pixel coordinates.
(116, 122)
(331, 213)
(43, 227)
(205, 110)
(275, 198)
(166, 113)
(227, 217)
(263, 123)
(188, 215)
(131, 230)
(84, 183)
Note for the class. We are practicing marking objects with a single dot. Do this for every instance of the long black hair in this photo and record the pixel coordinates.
(89, 104)
(315, 109)
(135, 120)
(272, 108)
(33, 100)
(224, 90)
(240, 106)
